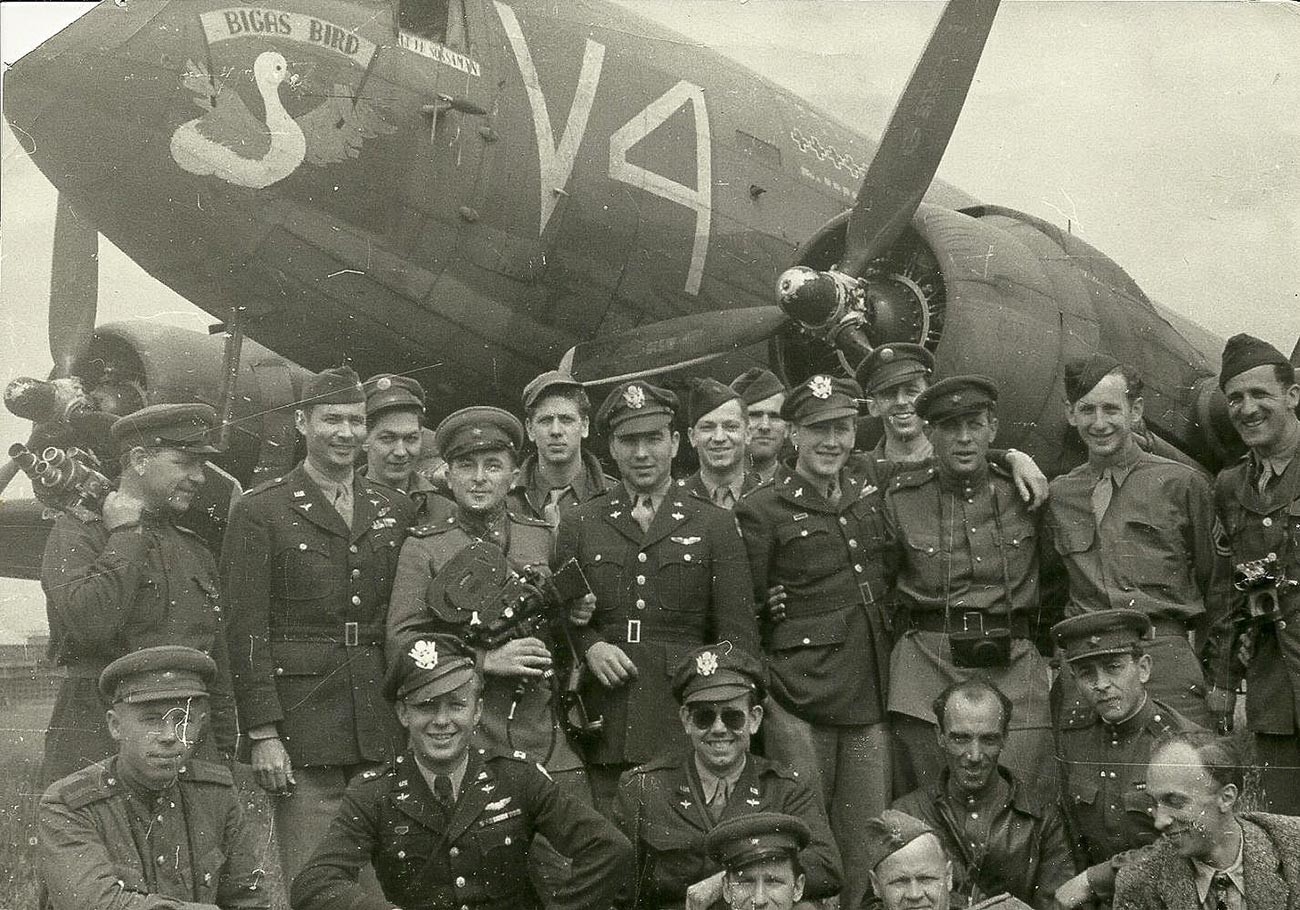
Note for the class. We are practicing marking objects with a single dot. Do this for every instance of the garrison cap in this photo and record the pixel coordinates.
(1102, 632)
(747, 839)
(891, 831)
(1245, 352)
(1082, 374)
(551, 379)
(890, 364)
(757, 384)
(157, 674)
(386, 391)
(337, 385)
(478, 429)
(718, 672)
(821, 397)
(636, 407)
(707, 395)
(956, 395)
(188, 427)
(432, 665)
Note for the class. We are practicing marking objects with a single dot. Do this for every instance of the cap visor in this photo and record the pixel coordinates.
(136, 698)
(887, 379)
(642, 423)
(718, 693)
(829, 414)
(1099, 652)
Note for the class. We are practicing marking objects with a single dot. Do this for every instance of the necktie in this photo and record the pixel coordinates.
(551, 511)
(1101, 495)
(1265, 475)
(719, 801)
(723, 497)
(442, 791)
(342, 502)
(1217, 899)
(643, 511)
(833, 494)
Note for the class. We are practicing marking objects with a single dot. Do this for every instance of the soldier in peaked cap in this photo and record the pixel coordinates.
(669, 574)
(962, 559)
(134, 577)
(308, 564)
(449, 825)
(1105, 746)
(1257, 505)
(763, 395)
(760, 856)
(719, 433)
(909, 867)
(671, 805)
(561, 473)
(106, 829)
(394, 445)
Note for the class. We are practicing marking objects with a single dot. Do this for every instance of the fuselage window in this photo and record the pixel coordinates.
(438, 20)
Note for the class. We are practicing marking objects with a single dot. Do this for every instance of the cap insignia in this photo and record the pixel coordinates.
(634, 396)
(706, 664)
(886, 354)
(384, 384)
(1094, 640)
(956, 398)
(820, 386)
(425, 654)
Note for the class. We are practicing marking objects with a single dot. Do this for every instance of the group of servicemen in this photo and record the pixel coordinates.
(765, 655)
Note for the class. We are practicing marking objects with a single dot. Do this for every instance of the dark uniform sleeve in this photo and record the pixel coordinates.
(246, 564)
(406, 606)
(567, 538)
(821, 858)
(329, 880)
(1224, 604)
(759, 546)
(629, 815)
(90, 581)
(733, 604)
(221, 696)
(1200, 542)
(1055, 862)
(601, 856)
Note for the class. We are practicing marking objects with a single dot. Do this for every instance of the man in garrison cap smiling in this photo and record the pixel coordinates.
(763, 395)
(1257, 502)
(308, 563)
(719, 433)
(134, 577)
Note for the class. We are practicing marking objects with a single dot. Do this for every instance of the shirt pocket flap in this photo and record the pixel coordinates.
(810, 631)
(801, 530)
(1082, 790)
(924, 544)
(1075, 538)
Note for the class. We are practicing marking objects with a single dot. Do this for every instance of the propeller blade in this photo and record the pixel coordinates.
(670, 344)
(918, 132)
(74, 287)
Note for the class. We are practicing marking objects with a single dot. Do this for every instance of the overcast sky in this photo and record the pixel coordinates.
(1167, 133)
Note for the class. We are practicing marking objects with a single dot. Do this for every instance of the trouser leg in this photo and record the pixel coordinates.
(302, 819)
(920, 748)
(1030, 754)
(861, 791)
(603, 783)
(789, 741)
(1279, 772)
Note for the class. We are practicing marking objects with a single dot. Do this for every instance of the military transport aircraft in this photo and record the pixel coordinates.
(495, 187)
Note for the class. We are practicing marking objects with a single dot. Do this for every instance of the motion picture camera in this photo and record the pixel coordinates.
(68, 480)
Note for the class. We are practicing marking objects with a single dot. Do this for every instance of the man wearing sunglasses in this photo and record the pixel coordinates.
(668, 806)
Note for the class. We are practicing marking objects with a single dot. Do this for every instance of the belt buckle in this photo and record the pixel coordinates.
(634, 631)
(965, 620)
(350, 634)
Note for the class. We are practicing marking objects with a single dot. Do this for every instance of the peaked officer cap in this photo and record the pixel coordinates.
(822, 397)
(427, 667)
(747, 839)
(956, 395)
(718, 672)
(1102, 632)
(891, 364)
(387, 391)
(188, 427)
(478, 429)
(157, 674)
(636, 407)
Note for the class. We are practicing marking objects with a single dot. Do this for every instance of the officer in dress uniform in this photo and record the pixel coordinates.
(763, 396)
(669, 806)
(719, 430)
(308, 564)
(152, 826)
(760, 854)
(449, 826)
(394, 444)
(1257, 592)
(669, 574)
(1105, 746)
(963, 557)
(133, 578)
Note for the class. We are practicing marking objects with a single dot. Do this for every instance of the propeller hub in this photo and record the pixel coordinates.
(816, 300)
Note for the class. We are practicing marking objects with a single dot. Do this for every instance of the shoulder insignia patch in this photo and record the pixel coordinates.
(264, 486)
(528, 521)
(915, 477)
(209, 773)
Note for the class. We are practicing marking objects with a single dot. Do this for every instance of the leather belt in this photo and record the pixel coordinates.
(350, 634)
(1021, 626)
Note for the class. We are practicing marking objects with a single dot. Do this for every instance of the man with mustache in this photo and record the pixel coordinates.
(1258, 593)
(762, 395)
(308, 564)
(1001, 836)
(153, 826)
(1211, 855)
(719, 431)
(669, 806)
(394, 443)
(134, 577)
(1134, 531)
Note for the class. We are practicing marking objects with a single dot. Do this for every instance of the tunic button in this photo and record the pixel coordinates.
(1268, 522)
(1281, 625)
(161, 859)
(352, 548)
(356, 600)
(843, 520)
(640, 579)
(401, 854)
(302, 546)
(279, 671)
(1112, 775)
(641, 557)
(356, 573)
(807, 641)
(857, 568)
(687, 557)
(460, 881)
(803, 533)
(640, 604)
(454, 852)
(852, 542)
(506, 842)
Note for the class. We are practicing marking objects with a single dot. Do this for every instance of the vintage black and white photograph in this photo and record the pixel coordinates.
(650, 455)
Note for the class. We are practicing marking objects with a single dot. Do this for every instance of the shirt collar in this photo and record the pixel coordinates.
(327, 485)
(1122, 466)
(710, 782)
(457, 776)
(736, 485)
(1279, 460)
(1137, 719)
(1236, 872)
(656, 498)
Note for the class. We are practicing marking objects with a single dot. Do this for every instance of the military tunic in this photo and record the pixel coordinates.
(662, 810)
(695, 486)
(1105, 768)
(308, 601)
(472, 857)
(516, 716)
(107, 846)
(109, 593)
(659, 593)
(527, 498)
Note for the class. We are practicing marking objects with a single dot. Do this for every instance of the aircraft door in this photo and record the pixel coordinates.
(439, 44)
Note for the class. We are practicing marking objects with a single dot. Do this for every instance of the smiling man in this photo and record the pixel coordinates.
(763, 396)
(308, 563)
(1257, 502)
(1211, 854)
(132, 578)
(394, 445)
(1133, 530)
(719, 431)
(670, 806)
(1001, 836)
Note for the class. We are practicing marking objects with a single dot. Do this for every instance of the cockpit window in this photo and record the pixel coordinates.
(438, 20)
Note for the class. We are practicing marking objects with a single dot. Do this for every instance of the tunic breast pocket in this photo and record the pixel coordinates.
(807, 551)
(605, 574)
(1075, 538)
(685, 578)
(305, 571)
(207, 874)
(1148, 553)
(503, 847)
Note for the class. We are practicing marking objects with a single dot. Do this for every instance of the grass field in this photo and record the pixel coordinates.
(22, 738)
